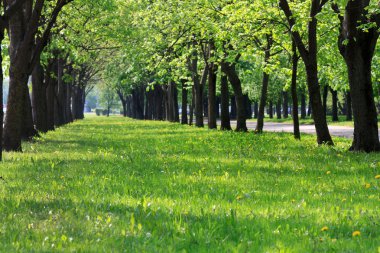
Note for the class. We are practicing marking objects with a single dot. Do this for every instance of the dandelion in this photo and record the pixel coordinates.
(324, 229)
(356, 233)
(328, 172)
(377, 177)
(367, 186)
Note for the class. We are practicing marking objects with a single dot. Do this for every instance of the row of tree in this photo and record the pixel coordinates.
(263, 49)
(47, 43)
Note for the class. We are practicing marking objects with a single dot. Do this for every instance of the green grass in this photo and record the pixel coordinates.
(114, 184)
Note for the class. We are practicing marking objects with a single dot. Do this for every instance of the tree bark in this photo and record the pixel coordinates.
(348, 106)
(334, 94)
(325, 95)
(224, 103)
(309, 56)
(264, 87)
(184, 118)
(296, 124)
(230, 71)
(278, 108)
(212, 94)
(39, 98)
(357, 48)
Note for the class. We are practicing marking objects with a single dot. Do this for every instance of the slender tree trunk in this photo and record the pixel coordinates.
(184, 118)
(256, 110)
(233, 107)
(230, 71)
(191, 116)
(28, 130)
(278, 108)
(212, 96)
(296, 124)
(309, 55)
(334, 94)
(264, 88)
(325, 95)
(225, 98)
(270, 109)
(348, 106)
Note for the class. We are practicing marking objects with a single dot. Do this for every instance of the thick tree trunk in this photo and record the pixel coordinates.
(224, 103)
(348, 106)
(39, 99)
(357, 48)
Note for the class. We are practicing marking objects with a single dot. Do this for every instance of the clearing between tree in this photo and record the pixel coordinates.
(115, 184)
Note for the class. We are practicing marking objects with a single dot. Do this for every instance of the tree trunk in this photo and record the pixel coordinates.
(270, 109)
(296, 124)
(212, 95)
(184, 118)
(325, 95)
(309, 55)
(357, 48)
(334, 94)
(39, 99)
(348, 106)
(224, 103)
(230, 71)
(28, 130)
(256, 110)
(278, 108)
(233, 108)
(264, 88)
(191, 116)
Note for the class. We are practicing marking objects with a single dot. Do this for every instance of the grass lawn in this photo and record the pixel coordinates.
(309, 121)
(114, 184)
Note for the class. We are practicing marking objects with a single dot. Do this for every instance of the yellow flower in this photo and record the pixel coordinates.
(356, 233)
(377, 177)
(324, 229)
(328, 172)
(333, 240)
(367, 186)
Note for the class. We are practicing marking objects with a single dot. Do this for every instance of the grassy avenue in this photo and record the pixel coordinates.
(117, 184)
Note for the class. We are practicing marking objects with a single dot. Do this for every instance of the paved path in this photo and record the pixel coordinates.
(341, 131)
